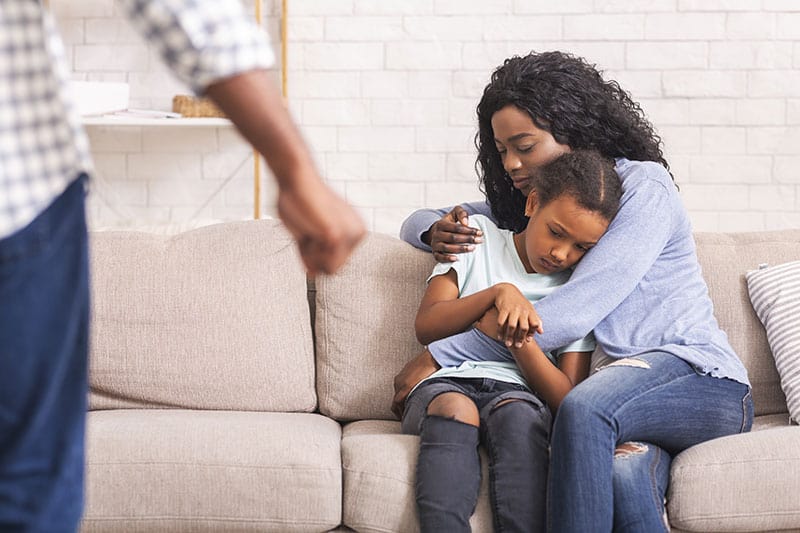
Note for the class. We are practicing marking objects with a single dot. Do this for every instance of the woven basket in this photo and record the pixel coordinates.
(193, 106)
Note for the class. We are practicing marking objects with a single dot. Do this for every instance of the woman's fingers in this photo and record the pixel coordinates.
(447, 250)
(444, 258)
(455, 232)
(459, 214)
(450, 237)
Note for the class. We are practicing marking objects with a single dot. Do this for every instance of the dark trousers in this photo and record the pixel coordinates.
(44, 312)
(516, 436)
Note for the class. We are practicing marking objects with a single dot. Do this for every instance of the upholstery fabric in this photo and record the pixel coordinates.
(743, 482)
(725, 258)
(177, 470)
(378, 465)
(214, 318)
(218, 319)
(365, 327)
(775, 295)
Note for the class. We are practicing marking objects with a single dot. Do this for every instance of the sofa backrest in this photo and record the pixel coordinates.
(192, 321)
(365, 315)
(365, 326)
(725, 258)
(215, 318)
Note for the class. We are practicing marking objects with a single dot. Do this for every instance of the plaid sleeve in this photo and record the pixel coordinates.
(202, 41)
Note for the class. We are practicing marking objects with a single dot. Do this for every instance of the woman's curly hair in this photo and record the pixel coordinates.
(569, 98)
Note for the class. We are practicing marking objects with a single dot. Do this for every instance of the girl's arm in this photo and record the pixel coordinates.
(551, 383)
(415, 229)
(442, 313)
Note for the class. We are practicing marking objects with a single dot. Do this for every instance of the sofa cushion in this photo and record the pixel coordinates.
(744, 482)
(775, 294)
(725, 259)
(215, 318)
(176, 470)
(378, 464)
(365, 326)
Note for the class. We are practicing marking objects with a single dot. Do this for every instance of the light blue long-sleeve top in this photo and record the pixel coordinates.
(640, 289)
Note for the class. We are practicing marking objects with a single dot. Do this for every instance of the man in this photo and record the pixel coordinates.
(44, 163)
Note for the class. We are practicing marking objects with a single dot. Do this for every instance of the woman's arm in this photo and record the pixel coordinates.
(451, 228)
(611, 270)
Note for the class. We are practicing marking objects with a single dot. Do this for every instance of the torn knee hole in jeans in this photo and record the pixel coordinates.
(504, 402)
(626, 449)
(511, 400)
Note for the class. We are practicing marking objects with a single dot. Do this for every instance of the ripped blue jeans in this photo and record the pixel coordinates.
(515, 435)
(655, 399)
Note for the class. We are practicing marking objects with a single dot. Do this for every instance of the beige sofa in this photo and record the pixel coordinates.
(222, 401)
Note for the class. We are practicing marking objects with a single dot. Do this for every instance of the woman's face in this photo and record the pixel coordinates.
(524, 148)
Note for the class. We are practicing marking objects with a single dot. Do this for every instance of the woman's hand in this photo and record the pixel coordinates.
(452, 235)
(516, 320)
(415, 371)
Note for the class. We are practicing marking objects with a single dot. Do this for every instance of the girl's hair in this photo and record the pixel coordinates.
(567, 97)
(586, 176)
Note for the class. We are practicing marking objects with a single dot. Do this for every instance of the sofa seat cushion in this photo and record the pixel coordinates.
(171, 470)
(771, 421)
(742, 482)
(378, 464)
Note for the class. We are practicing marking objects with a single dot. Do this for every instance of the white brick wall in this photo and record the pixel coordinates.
(385, 92)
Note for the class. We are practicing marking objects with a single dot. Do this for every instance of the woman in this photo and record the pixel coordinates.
(675, 380)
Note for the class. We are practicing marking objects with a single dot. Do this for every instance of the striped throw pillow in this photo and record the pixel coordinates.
(775, 295)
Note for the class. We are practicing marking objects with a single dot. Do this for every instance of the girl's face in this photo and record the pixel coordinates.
(524, 148)
(559, 233)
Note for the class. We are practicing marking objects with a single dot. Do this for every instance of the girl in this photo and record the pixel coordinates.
(491, 402)
(676, 381)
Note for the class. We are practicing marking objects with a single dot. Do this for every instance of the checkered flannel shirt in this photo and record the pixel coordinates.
(43, 147)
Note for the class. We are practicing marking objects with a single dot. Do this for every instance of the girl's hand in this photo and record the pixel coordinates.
(517, 320)
(415, 371)
(452, 235)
